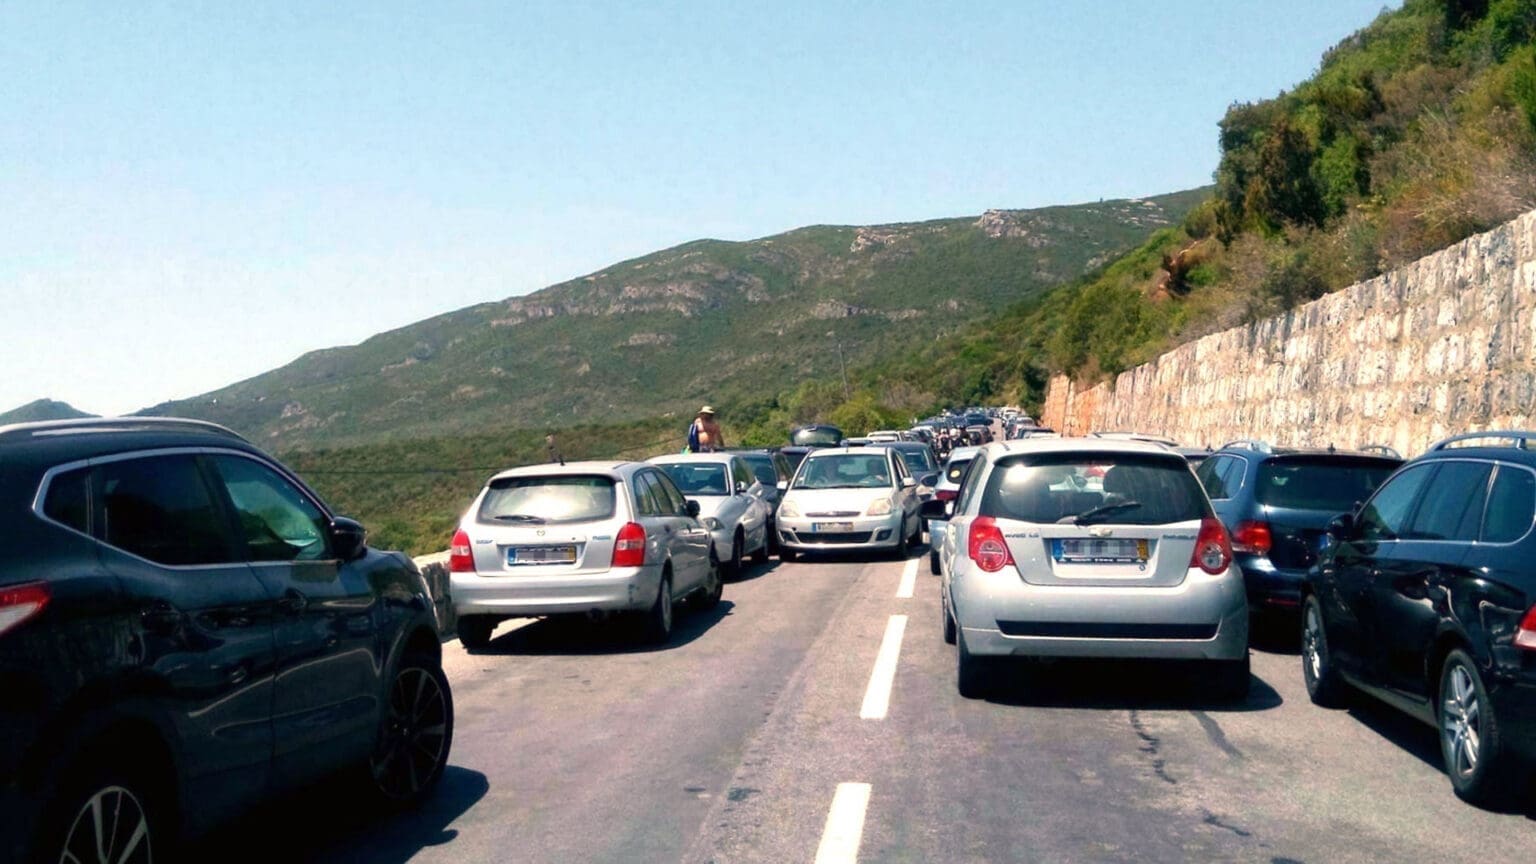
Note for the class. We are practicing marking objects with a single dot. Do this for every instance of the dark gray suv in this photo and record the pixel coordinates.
(186, 630)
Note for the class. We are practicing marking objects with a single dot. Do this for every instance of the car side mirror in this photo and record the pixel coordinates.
(908, 482)
(349, 539)
(693, 509)
(934, 509)
(1341, 527)
(782, 486)
(929, 480)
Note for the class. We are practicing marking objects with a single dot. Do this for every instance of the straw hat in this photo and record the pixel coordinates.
(707, 410)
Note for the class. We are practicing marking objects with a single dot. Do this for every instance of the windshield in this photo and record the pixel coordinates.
(1123, 488)
(1329, 484)
(538, 500)
(844, 471)
(817, 436)
(697, 478)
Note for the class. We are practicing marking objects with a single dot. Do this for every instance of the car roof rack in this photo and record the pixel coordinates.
(1380, 450)
(1522, 440)
(83, 425)
(1253, 444)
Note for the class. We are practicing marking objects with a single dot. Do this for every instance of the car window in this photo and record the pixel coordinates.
(899, 465)
(1142, 489)
(277, 521)
(968, 484)
(1451, 505)
(1385, 516)
(764, 470)
(916, 463)
(645, 496)
(1328, 483)
(742, 472)
(845, 471)
(667, 495)
(698, 478)
(68, 502)
(534, 500)
(1209, 474)
(1511, 505)
(160, 508)
(955, 470)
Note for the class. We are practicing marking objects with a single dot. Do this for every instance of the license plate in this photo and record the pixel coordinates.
(832, 526)
(541, 555)
(1099, 551)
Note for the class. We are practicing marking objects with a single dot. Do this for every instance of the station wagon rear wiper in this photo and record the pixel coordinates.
(521, 517)
(1089, 517)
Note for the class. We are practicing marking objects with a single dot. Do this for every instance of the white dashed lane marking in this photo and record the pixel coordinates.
(877, 696)
(845, 825)
(908, 580)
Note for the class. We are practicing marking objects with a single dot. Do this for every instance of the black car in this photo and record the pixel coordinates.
(1276, 503)
(186, 630)
(1427, 600)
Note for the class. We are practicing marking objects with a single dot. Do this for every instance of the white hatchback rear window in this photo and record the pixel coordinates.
(538, 500)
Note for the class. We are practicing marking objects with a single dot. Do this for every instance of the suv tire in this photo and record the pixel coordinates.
(68, 822)
(1476, 759)
(416, 734)
(1324, 686)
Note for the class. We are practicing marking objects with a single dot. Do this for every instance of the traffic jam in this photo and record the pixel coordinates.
(189, 633)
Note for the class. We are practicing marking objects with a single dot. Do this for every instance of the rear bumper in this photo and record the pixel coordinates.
(618, 590)
(1204, 618)
(1271, 588)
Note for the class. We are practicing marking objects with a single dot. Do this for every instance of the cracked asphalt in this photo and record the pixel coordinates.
(573, 745)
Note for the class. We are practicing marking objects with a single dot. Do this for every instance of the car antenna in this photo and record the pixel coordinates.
(1330, 447)
(554, 455)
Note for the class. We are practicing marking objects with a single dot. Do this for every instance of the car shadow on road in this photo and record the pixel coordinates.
(616, 635)
(331, 821)
(1275, 635)
(1120, 684)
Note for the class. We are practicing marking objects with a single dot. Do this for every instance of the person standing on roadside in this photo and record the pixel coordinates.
(706, 432)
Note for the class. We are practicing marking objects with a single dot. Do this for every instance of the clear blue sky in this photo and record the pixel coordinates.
(195, 193)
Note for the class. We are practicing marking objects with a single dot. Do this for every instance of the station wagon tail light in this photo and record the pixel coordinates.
(1213, 551)
(1525, 637)
(986, 545)
(1253, 537)
(460, 559)
(629, 548)
(21, 603)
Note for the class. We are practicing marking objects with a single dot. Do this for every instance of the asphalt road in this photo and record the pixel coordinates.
(732, 743)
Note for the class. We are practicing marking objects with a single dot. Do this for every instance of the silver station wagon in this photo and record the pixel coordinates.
(1088, 548)
(590, 538)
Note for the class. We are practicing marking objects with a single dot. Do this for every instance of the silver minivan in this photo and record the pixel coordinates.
(592, 538)
(1088, 548)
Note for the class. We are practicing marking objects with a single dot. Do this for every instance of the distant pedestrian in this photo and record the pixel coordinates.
(704, 436)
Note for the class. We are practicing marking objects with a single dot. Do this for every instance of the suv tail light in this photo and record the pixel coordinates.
(986, 545)
(629, 548)
(1254, 538)
(1525, 637)
(1213, 551)
(460, 559)
(21, 603)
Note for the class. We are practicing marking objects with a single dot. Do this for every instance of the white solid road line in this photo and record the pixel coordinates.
(877, 697)
(908, 580)
(845, 825)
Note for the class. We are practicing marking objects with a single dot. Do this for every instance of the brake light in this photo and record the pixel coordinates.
(629, 548)
(1213, 551)
(1525, 637)
(986, 545)
(946, 494)
(460, 559)
(21, 603)
(1253, 537)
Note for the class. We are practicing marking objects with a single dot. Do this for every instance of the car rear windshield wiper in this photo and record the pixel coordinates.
(1090, 516)
(521, 517)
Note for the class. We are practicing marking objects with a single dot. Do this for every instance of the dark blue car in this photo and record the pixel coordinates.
(1276, 503)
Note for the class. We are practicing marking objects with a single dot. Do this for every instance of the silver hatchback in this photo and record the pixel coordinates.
(591, 538)
(1088, 548)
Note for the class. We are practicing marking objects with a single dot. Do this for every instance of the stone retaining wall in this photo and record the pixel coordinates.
(1444, 345)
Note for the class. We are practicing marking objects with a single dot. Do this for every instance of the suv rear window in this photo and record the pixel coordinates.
(1328, 483)
(1057, 487)
(537, 500)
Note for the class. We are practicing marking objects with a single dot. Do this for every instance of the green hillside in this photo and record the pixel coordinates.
(723, 322)
(1416, 132)
(42, 409)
